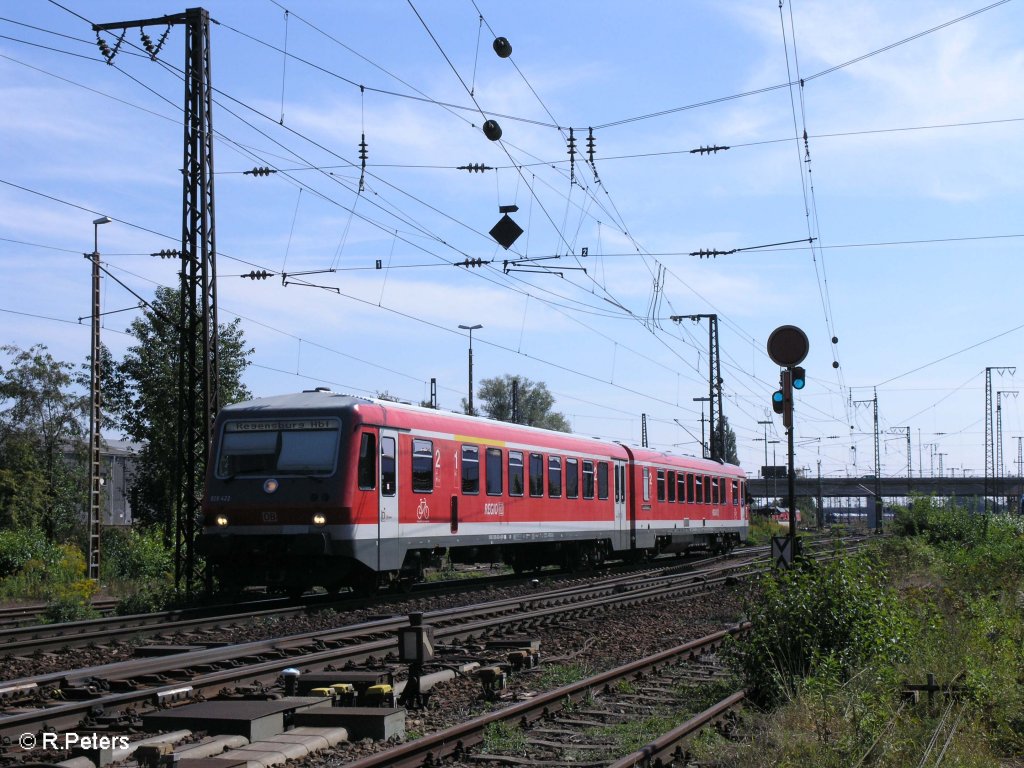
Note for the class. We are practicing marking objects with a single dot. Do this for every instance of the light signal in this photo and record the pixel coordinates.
(799, 377)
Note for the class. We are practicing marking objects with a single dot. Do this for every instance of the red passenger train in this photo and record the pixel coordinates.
(320, 488)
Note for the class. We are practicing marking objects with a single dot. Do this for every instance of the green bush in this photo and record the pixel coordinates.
(135, 556)
(938, 524)
(20, 545)
(961, 620)
(834, 614)
(69, 592)
(150, 598)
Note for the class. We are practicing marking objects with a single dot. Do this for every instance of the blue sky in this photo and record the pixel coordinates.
(908, 182)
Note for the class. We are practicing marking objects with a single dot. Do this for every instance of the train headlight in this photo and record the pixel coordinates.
(319, 519)
(221, 520)
(270, 485)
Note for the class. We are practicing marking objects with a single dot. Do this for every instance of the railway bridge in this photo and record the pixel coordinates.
(999, 488)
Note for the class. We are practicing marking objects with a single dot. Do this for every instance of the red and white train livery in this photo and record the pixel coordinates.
(320, 488)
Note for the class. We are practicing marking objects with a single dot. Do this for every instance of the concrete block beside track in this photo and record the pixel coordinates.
(379, 723)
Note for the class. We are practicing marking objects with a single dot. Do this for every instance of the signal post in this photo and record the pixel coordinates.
(787, 347)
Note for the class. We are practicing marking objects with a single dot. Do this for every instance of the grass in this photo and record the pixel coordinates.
(962, 587)
(504, 739)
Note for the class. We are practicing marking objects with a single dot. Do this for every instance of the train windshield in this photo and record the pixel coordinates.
(264, 447)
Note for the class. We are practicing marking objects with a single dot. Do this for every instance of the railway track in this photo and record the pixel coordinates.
(116, 696)
(574, 724)
(64, 700)
(26, 615)
(23, 640)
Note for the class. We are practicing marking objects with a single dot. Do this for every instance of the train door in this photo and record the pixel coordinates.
(621, 518)
(387, 525)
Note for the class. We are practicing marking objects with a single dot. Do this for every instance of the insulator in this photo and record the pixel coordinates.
(590, 146)
(478, 262)
(707, 150)
(475, 168)
(258, 274)
(259, 171)
(147, 43)
(362, 150)
(572, 156)
(104, 49)
(167, 254)
(160, 43)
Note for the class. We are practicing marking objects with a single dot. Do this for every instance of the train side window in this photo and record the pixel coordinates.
(554, 476)
(735, 493)
(602, 479)
(515, 473)
(367, 461)
(671, 486)
(681, 486)
(387, 466)
(494, 479)
(620, 483)
(422, 466)
(707, 489)
(698, 488)
(661, 485)
(588, 479)
(647, 483)
(690, 492)
(536, 474)
(470, 469)
(572, 478)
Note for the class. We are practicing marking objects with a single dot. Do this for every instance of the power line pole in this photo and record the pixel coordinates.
(878, 468)
(95, 479)
(910, 469)
(989, 463)
(198, 397)
(716, 419)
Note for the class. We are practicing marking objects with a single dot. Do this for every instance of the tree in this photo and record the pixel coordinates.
(141, 399)
(534, 402)
(731, 455)
(41, 420)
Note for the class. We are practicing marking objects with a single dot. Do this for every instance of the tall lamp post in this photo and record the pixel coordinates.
(94, 410)
(471, 328)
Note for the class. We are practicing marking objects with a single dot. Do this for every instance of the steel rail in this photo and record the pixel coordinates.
(458, 741)
(182, 681)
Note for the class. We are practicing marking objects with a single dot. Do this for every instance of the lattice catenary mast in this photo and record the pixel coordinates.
(198, 381)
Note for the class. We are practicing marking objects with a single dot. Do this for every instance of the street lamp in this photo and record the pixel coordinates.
(94, 410)
(471, 328)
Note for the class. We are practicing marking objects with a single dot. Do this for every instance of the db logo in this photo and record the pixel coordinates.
(423, 511)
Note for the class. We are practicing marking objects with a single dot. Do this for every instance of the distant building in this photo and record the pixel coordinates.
(117, 473)
(117, 470)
